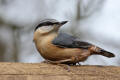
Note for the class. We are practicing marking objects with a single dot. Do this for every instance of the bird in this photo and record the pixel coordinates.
(62, 48)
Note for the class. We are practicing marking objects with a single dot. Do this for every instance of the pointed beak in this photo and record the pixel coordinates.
(63, 22)
(60, 24)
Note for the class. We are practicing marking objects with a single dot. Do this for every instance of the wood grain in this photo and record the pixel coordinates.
(42, 71)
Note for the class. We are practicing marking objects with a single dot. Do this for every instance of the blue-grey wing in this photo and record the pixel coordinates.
(67, 41)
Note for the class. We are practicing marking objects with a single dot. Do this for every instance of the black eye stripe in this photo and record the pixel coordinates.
(49, 23)
(46, 24)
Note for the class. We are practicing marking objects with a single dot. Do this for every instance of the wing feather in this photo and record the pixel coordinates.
(68, 41)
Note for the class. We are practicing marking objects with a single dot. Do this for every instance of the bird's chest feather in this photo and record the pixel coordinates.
(47, 49)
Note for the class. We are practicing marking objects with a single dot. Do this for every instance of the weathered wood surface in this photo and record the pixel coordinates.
(42, 71)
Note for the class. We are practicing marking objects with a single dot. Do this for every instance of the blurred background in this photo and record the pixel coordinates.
(94, 21)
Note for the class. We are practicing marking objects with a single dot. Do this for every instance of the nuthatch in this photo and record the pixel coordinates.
(61, 47)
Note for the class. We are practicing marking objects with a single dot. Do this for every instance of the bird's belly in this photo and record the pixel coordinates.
(54, 53)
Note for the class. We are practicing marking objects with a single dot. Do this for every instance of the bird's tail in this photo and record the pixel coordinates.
(99, 51)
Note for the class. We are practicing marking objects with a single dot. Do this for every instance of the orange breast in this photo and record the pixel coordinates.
(52, 52)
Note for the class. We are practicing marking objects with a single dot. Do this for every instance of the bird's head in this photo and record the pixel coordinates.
(48, 26)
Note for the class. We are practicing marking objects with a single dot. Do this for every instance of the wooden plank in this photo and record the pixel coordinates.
(42, 71)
